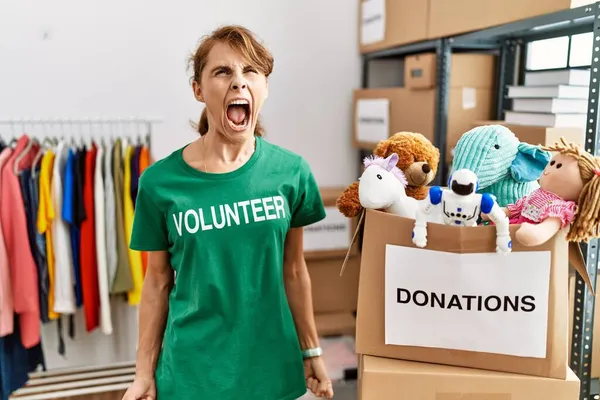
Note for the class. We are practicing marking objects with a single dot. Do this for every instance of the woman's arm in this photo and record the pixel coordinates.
(154, 308)
(298, 289)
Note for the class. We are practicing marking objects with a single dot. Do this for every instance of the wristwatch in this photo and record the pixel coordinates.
(309, 353)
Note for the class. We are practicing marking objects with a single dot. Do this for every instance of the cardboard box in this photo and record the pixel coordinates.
(387, 23)
(402, 109)
(540, 135)
(331, 237)
(387, 379)
(384, 229)
(466, 70)
(447, 18)
(330, 291)
(335, 324)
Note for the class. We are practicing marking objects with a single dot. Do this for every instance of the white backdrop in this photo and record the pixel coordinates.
(112, 58)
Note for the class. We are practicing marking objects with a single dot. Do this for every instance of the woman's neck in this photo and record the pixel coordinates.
(218, 148)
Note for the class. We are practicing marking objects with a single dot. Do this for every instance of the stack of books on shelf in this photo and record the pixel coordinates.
(555, 99)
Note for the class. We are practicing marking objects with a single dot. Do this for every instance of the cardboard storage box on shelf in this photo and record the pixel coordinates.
(335, 324)
(380, 113)
(497, 312)
(388, 379)
(388, 23)
(540, 135)
(447, 18)
(330, 237)
(330, 291)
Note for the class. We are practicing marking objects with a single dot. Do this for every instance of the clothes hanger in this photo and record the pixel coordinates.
(45, 146)
(23, 154)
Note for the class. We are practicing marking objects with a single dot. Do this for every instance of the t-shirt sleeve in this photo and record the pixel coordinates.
(149, 231)
(308, 206)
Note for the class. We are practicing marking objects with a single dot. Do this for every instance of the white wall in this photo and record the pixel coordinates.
(110, 58)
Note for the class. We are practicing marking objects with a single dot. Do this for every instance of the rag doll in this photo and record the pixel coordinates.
(568, 196)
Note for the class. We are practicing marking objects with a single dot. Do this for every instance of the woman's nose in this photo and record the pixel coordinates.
(237, 86)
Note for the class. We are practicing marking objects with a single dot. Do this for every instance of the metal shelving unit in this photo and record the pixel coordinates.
(510, 42)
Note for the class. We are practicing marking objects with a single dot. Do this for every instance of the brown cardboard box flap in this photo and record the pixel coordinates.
(383, 228)
(576, 259)
(384, 378)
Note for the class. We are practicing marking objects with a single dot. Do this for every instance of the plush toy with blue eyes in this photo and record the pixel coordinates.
(504, 166)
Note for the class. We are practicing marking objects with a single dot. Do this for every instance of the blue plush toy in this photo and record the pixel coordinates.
(505, 167)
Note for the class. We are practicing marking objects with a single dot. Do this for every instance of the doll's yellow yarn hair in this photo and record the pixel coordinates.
(586, 224)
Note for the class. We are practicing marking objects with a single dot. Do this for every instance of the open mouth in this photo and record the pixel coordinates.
(238, 114)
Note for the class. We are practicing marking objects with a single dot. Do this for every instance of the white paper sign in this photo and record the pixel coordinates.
(372, 120)
(332, 233)
(373, 21)
(469, 98)
(482, 302)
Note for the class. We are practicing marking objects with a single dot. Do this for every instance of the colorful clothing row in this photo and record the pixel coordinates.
(66, 213)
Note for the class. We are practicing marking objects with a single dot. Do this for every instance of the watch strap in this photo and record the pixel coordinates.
(309, 353)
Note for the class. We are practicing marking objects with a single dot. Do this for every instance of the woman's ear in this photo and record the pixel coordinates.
(197, 91)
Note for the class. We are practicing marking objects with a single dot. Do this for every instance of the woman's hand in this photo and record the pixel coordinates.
(141, 389)
(317, 380)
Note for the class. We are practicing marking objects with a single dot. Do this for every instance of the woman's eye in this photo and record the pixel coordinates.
(558, 165)
(379, 177)
(552, 162)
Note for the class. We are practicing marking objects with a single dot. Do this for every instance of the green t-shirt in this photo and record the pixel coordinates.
(230, 333)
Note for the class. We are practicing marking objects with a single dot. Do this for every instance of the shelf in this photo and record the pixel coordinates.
(510, 41)
(567, 22)
(578, 20)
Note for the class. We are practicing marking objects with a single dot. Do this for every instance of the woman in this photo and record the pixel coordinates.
(226, 310)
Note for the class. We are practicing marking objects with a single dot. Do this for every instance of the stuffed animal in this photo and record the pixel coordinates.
(418, 159)
(568, 196)
(383, 186)
(460, 205)
(505, 167)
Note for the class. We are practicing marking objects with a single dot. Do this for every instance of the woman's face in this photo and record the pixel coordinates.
(233, 91)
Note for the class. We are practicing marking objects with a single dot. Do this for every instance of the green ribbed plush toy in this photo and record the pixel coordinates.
(506, 168)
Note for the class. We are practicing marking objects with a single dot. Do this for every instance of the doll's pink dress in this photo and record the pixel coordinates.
(540, 205)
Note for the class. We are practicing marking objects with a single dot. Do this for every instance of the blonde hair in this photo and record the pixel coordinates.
(586, 224)
(242, 40)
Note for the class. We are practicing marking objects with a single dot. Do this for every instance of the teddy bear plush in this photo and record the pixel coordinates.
(418, 158)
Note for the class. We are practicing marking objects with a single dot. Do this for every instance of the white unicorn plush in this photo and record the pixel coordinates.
(382, 186)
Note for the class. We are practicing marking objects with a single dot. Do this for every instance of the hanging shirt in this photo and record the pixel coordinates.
(99, 207)
(16, 362)
(6, 295)
(144, 163)
(23, 270)
(109, 217)
(68, 214)
(64, 294)
(89, 265)
(45, 218)
(135, 172)
(135, 258)
(123, 280)
(37, 242)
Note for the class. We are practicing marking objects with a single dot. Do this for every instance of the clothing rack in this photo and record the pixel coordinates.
(66, 231)
(77, 126)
